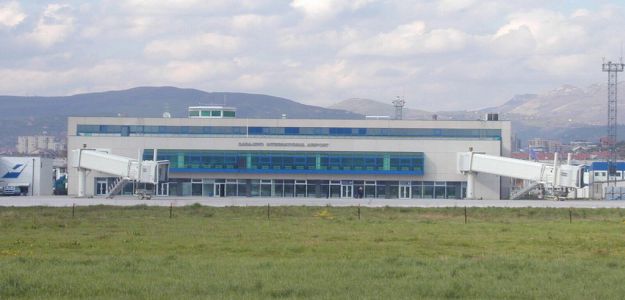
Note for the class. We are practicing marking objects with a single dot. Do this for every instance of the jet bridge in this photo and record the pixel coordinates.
(472, 163)
(125, 168)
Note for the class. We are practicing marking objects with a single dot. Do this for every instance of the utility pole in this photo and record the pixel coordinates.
(612, 68)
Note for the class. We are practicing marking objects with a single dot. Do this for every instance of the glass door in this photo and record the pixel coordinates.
(347, 191)
(100, 187)
(162, 189)
(220, 190)
(404, 191)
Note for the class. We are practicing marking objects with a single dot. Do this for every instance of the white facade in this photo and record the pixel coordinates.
(438, 147)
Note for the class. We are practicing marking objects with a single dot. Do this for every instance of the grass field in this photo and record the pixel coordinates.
(311, 252)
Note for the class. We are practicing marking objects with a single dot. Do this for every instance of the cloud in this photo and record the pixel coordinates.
(54, 25)
(553, 32)
(199, 45)
(11, 14)
(320, 9)
(194, 71)
(515, 42)
(447, 6)
(410, 39)
(448, 54)
(255, 22)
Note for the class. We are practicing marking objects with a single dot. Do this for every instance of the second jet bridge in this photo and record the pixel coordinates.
(472, 163)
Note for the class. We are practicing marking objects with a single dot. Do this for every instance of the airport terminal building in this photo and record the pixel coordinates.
(214, 154)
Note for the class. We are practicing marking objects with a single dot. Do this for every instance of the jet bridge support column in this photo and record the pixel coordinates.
(82, 180)
(470, 185)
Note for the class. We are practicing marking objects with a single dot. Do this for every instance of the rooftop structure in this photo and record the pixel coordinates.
(212, 112)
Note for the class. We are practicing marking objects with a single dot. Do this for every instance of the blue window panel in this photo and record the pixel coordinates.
(255, 130)
(196, 130)
(136, 129)
(291, 130)
(148, 154)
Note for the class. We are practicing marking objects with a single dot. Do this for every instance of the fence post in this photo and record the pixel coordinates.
(465, 215)
(570, 216)
(358, 211)
(268, 211)
(73, 209)
(171, 208)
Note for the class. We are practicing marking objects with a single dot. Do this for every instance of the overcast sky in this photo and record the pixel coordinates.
(440, 55)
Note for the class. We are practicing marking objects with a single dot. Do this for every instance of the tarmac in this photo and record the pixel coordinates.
(65, 201)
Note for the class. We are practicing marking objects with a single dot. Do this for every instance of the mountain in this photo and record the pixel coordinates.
(566, 106)
(37, 115)
(565, 113)
(370, 107)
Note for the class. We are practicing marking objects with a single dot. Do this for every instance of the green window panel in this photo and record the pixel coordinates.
(180, 161)
(387, 162)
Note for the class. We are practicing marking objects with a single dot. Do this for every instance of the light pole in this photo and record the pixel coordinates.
(32, 182)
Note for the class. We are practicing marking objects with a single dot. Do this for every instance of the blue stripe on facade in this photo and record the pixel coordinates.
(140, 130)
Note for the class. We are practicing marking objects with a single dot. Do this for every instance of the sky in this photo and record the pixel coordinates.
(438, 55)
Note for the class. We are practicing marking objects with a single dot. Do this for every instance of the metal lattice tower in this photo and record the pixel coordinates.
(612, 69)
(399, 108)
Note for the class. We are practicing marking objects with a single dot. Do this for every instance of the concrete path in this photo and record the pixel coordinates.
(64, 201)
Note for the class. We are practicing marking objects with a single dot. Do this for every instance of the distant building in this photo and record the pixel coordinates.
(39, 144)
(544, 145)
(516, 143)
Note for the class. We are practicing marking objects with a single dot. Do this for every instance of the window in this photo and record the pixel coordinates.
(194, 113)
(308, 131)
(291, 130)
(215, 113)
(229, 114)
(292, 162)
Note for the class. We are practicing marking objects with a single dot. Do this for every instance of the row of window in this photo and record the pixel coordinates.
(291, 162)
(212, 113)
(298, 188)
(124, 130)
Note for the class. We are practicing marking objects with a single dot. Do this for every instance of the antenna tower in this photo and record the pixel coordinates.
(612, 68)
(399, 107)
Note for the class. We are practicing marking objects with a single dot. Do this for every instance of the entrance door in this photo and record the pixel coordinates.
(347, 191)
(162, 189)
(220, 190)
(100, 187)
(404, 191)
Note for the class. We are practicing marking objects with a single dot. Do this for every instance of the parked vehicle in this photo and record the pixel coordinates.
(11, 191)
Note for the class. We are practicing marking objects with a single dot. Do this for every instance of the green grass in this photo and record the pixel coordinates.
(311, 252)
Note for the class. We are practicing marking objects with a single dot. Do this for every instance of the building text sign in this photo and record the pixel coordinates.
(295, 145)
